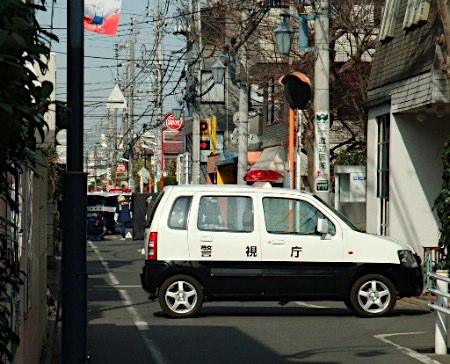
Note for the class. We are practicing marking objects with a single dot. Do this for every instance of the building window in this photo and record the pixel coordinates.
(389, 19)
(416, 12)
(383, 172)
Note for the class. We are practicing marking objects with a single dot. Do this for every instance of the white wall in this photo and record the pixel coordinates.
(372, 206)
(415, 177)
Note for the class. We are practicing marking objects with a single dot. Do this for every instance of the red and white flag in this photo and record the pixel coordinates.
(102, 16)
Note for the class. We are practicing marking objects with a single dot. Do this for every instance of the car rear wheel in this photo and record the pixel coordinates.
(373, 295)
(181, 296)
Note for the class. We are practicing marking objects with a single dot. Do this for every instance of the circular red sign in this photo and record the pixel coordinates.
(172, 124)
(121, 168)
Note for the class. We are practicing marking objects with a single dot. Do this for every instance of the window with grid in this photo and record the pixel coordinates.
(389, 19)
(416, 11)
(383, 172)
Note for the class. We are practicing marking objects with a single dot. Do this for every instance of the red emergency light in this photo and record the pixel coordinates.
(260, 175)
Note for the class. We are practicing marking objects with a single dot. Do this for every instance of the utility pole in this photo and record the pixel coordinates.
(159, 36)
(73, 265)
(130, 130)
(243, 130)
(196, 49)
(322, 102)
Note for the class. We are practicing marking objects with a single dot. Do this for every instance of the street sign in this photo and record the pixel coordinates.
(171, 124)
(322, 185)
(116, 99)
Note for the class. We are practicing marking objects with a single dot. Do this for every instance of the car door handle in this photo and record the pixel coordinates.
(276, 242)
(206, 239)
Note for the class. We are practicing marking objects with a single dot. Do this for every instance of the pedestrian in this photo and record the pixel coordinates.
(123, 215)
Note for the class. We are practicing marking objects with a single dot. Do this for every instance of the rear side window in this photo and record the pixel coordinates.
(152, 204)
(290, 216)
(226, 213)
(179, 213)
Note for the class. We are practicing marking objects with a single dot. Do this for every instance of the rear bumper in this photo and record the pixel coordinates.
(152, 275)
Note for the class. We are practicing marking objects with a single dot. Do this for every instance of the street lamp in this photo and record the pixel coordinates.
(177, 111)
(321, 87)
(218, 71)
(284, 34)
(283, 37)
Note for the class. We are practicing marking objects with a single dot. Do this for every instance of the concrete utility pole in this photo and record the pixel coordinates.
(243, 132)
(322, 102)
(159, 36)
(196, 49)
(130, 130)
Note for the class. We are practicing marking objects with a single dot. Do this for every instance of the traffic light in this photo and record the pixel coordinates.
(297, 89)
(204, 128)
(205, 145)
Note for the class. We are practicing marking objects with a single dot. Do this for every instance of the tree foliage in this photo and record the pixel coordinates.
(23, 104)
(442, 205)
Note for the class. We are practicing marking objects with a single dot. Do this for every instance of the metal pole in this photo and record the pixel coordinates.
(243, 133)
(74, 287)
(322, 103)
(440, 332)
(195, 176)
(291, 147)
(298, 162)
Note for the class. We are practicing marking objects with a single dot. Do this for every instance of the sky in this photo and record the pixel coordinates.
(103, 69)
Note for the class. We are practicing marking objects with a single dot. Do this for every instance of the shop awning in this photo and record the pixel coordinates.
(273, 159)
(227, 158)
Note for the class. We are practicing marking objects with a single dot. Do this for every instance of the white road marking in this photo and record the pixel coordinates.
(304, 304)
(140, 324)
(413, 354)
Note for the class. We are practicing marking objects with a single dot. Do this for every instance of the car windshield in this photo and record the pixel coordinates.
(339, 214)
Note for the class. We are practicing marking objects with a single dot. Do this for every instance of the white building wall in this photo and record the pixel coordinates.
(415, 177)
(372, 205)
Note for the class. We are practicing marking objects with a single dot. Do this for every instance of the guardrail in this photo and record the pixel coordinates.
(441, 306)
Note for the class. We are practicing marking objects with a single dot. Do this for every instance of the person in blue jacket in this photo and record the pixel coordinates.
(123, 215)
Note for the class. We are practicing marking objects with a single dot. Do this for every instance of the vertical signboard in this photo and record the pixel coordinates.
(322, 152)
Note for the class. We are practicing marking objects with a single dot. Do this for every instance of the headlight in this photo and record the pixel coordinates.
(407, 259)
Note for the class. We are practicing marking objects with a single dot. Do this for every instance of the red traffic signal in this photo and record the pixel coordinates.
(205, 145)
(297, 89)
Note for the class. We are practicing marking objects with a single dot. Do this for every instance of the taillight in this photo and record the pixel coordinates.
(152, 247)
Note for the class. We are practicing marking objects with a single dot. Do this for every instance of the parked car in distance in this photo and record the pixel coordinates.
(104, 202)
(242, 243)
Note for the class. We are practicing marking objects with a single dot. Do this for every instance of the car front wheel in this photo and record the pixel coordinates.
(181, 296)
(373, 295)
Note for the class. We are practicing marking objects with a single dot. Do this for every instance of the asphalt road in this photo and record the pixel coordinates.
(125, 327)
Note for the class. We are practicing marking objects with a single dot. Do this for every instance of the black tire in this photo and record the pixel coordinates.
(349, 305)
(181, 296)
(373, 295)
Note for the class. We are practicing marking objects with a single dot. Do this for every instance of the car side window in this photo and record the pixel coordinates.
(179, 213)
(291, 216)
(225, 213)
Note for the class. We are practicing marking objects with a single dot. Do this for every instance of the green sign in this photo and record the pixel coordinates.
(322, 185)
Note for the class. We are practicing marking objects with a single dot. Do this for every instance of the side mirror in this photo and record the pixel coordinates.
(322, 226)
